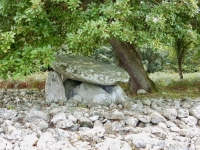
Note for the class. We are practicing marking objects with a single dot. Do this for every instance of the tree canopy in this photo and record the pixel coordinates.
(32, 31)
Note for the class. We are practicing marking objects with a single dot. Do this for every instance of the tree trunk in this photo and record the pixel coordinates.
(179, 55)
(132, 63)
(180, 71)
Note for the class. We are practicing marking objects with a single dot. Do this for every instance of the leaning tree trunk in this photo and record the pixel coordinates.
(132, 63)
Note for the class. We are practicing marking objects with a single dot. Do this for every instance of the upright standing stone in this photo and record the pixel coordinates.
(54, 89)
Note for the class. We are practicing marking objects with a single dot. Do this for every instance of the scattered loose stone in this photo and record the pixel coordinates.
(170, 114)
(114, 114)
(141, 91)
(132, 121)
(190, 120)
(58, 117)
(10, 114)
(85, 122)
(113, 144)
(182, 113)
(38, 124)
(35, 114)
(146, 102)
(156, 117)
(64, 124)
(143, 118)
(130, 124)
(195, 111)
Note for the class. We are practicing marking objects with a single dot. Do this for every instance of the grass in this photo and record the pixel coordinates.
(33, 81)
(169, 85)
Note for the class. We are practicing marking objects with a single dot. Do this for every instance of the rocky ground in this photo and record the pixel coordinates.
(27, 122)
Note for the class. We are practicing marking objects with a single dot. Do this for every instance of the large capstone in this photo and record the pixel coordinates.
(89, 70)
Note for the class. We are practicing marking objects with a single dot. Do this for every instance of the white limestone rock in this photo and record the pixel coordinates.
(29, 142)
(5, 144)
(64, 124)
(170, 113)
(190, 120)
(175, 129)
(132, 121)
(141, 92)
(92, 134)
(18, 135)
(63, 144)
(94, 118)
(117, 94)
(195, 111)
(182, 113)
(175, 145)
(36, 114)
(72, 118)
(144, 118)
(58, 117)
(38, 124)
(45, 140)
(85, 122)
(143, 140)
(113, 144)
(114, 114)
(146, 102)
(162, 125)
(156, 117)
(9, 114)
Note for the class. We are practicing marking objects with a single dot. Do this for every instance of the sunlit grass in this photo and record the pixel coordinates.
(170, 85)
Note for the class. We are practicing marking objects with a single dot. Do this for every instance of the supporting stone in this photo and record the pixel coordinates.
(54, 89)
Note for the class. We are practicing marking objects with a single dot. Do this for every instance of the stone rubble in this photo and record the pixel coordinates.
(27, 121)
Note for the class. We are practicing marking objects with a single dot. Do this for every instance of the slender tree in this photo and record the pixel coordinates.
(180, 30)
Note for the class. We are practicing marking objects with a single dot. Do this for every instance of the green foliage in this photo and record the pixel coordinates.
(153, 61)
(8, 106)
(178, 24)
(6, 38)
(32, 31)
(26, 37)
(104, 54)
(26, 61)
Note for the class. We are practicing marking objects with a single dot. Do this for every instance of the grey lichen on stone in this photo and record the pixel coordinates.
(54, 89)
(89, 70)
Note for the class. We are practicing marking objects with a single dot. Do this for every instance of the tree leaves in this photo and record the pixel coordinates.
(28, 27)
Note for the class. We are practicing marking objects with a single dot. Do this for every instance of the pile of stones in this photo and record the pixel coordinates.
(33, 123)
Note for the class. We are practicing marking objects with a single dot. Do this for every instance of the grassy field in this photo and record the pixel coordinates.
(33, 81)
(168, 84)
